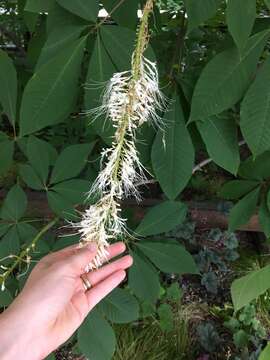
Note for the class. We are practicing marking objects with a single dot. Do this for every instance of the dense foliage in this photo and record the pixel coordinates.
(214, 67)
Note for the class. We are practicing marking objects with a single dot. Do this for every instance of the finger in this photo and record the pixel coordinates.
(98, 292)
(98, 275)
(113, 250)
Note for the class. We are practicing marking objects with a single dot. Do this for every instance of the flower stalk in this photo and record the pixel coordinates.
(130, 99)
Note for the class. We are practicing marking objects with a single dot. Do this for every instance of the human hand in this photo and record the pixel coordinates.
(54, 303)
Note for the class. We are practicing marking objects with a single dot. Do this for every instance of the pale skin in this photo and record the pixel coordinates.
(54, 303)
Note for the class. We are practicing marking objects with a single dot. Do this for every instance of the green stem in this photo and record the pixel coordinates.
(26, 251)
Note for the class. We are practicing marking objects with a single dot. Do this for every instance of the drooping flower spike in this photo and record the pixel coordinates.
(130, 99)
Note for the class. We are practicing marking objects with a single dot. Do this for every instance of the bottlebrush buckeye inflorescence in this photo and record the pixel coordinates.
(130, 99)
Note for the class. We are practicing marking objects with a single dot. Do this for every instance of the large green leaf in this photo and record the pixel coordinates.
(264, 217)
(5, 298)
(143, 279)
(120, 307)
(199, 11)
(96, 338)
(87, 10)
(240, 20)
(265, 354)
(38, 157)
(6, 155)
(38, 5)
(257, 169)
(10, 243)
(220, 137)
(74, 190)
(243, 210)
(169, 256)
(50, 94)
(173, 152)
(235, 189)
(15, 204)
(225, 78)
(61, 205)
(58, 39)
(70, 162)
(162, 218)
(125, 14)
(8, 89)
(255, 112)
(250, 287)
(30, 177)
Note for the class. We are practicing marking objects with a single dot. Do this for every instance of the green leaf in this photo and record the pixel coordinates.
(74, 191)
(143, 279)
(70, 162)
(265, 354)
(173, 152)
(267, 2)
(87, 10)
(240, 339)
(10, 243)
(240, 20)
(58, 39)
(264, 216)
(250, 287)
(119, 43)
(61, 206)
(166, 317)
(220, 137)
(38, 157)
(235, 189)
(6, 156)
(50, 94)
(8, 89)
(243, 210)
(96, 338)
(5, 298)
(120, 307)
(162, 218)
(38, 5)
(225, 78)
(198, 11)
(255, 112)
(257, 169)
(125, 14)
(169, 256)
(30, 177)
(15, 204)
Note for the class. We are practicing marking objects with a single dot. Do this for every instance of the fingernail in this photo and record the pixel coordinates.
(92, 247)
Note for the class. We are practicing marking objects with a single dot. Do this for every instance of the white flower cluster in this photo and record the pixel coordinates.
(130, 99)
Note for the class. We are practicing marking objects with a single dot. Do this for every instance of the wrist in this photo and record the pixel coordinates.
(15, 339)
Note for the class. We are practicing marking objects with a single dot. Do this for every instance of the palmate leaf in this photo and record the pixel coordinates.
(50, 94)
(125, 14)
(96, 338)
(38, 5)
(240, 20)
(256, 169)
(161, 218)
(14, 205)
(173, 152)
(250, 287)
(8, 89)
(120, 307)
(243, 210)
(87, 10)
(225, 78)
(220, 137)
(235, 189)
(255, 112)
(199, 11)
(143, 278)
(169, 256)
